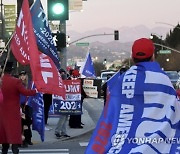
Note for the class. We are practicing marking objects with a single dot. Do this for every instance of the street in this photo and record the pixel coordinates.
(73, 145)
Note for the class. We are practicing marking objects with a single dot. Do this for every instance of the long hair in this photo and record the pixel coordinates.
(25, 82)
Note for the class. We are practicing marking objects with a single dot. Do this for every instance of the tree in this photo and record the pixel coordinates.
(172, 40)
(168, 61)
(99, 66)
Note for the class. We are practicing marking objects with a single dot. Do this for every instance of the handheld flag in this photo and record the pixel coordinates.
(141, 114)
(88, 69)
(42, 32)
(44, 72)
(37, 104)
(21, 40)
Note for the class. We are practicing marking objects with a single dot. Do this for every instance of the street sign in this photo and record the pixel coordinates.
(164, 51)
(82, 44)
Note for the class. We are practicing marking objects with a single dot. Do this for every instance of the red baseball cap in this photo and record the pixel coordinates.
(75, 73)
(142, 48)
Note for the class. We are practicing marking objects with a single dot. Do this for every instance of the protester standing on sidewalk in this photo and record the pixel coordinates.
(104, 88)
(75, 120)
(142, 104)
(26, 110)
(60, 130)
(10, 118)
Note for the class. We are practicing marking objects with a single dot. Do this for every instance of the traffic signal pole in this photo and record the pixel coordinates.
(63, 50)
(116, 36)
(2, 21)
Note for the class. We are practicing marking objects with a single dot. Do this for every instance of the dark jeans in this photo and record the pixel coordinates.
(27, 122)
(14, 148)
(47, 103)
(75, 121)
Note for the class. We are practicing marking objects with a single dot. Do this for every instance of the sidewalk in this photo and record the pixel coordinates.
(72, 132)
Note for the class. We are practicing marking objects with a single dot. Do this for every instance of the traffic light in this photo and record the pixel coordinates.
(58, 10)
(116, 35)
(61, 40)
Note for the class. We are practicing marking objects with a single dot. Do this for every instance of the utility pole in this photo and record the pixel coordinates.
(59, 10)
(2, 22)
(63, 52)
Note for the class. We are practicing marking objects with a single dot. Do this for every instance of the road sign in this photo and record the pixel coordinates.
(82, 44)
(164, 51)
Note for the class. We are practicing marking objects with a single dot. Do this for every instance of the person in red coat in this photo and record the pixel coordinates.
(10, 116)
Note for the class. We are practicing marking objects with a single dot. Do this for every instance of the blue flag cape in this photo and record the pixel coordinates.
(42, 32)
(88, 69)
(141, 114)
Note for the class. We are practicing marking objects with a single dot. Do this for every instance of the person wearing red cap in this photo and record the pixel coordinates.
(75, 74)
(143, 50)
(141, 106)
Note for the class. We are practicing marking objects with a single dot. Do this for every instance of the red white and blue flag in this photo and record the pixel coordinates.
(71, 105)
(44, 71)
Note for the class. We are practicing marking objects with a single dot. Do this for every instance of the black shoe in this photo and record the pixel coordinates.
(30, 143)
(82, 123)
(76, 127)
(66, 135)
(58, 135)
(24, 145)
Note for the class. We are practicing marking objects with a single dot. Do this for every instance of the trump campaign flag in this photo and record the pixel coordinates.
(44, 72)
(37, 104)
(88, 69)
(141, 114)
(42, 32)
(20, 40)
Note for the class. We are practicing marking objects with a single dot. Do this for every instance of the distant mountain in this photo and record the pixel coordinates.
(127, 34)
(105, 47)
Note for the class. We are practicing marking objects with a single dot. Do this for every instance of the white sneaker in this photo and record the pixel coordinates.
(46, 128)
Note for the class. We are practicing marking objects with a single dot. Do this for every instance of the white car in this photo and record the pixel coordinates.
(173, 76)
(106, 75)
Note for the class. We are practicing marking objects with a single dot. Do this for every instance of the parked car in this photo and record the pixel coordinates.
(105, 75)
(173, 76)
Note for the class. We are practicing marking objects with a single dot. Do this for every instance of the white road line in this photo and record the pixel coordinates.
(83, 144)
(43, 151)
(46, 150)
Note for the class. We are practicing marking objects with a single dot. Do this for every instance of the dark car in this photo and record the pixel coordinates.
(173, 76)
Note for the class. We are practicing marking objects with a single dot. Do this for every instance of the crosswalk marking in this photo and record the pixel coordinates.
(83, 144)
(43, 151)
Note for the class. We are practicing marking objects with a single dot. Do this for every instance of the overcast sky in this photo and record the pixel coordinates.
(119, 13)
